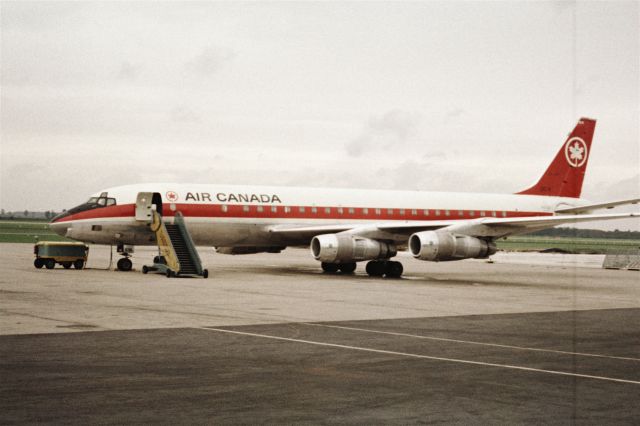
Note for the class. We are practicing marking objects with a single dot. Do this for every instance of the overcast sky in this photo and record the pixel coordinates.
(452, 96)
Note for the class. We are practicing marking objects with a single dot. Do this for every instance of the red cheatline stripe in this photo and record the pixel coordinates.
(298, 212)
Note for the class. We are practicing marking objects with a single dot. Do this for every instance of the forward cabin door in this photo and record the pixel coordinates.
(145, 203)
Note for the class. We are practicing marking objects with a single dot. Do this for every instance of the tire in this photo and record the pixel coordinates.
(50, 263)
(156, 259)
(375, 268)
(125, 264)
(78, 264)
(329, 268)
(38, 263)
(205, 273)
(169, 273)
(145, 270)
(66, 265)
(393, 269)
(347, 268)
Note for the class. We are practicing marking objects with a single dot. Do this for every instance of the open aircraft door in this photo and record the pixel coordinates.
(145, 203)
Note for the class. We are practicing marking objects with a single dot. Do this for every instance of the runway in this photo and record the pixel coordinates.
(269, 339)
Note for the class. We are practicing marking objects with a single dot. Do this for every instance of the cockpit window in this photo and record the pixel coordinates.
(92, 203)
(101, 201)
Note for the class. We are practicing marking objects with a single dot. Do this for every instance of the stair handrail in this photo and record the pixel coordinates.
(191, 247)
(164, 242)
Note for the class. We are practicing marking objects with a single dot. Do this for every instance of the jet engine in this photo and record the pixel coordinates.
(442, 245)
(342, 248)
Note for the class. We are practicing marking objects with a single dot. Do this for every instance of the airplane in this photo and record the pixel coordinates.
(344, 226)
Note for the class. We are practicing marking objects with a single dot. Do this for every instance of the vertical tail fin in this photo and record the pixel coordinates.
(565, 174)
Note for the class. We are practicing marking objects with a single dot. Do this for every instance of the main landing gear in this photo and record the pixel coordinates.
(332, 268)
(387, 268)
(375, 268)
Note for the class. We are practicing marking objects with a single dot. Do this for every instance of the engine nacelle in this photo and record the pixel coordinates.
(340, 248)
(248, 250)
(439, 246)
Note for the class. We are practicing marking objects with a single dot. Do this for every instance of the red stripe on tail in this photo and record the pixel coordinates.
(565, 174)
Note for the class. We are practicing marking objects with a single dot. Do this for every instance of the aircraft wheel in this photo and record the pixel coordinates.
(125, 264)
(375, 268)
(78, 264)
(66, 265)
(145, 270)
(347, 268)
(170, 273)
(50, 263)
(205, 273)
(330, 268)
(393, 269)
(38, 263)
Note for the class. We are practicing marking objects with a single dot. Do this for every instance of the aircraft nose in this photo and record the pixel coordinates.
(59, 228)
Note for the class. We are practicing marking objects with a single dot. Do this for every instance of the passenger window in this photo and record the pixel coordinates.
(245, 209)
(301, 209)
(414, 212)
(447, 213)
(287, 209)
(260, 209)
(493, 214)
(224, 208)
(274, 209)
(351, 211)
(314, 210)
(390, 212)
(340, 211)
(327, 210)
(460, 213)
(437, 212)
(378, 212)
(401, 212)
(426, 212)
(365, 211)
(482, 214)
(504, 214)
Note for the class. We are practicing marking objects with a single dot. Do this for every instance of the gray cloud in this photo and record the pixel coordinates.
(210, 61)
(128, 71)
(182, 114)
(391, 129)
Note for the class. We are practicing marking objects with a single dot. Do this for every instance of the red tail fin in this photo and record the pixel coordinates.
(565, 174)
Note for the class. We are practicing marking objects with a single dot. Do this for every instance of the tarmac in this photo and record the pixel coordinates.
(269, 339)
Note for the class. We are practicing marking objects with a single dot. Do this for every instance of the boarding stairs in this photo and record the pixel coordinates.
(178, 255)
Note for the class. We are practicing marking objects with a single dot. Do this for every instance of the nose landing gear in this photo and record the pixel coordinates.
(125, 264)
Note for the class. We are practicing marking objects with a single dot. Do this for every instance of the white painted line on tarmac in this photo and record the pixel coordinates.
(471, 342)
(410, 355)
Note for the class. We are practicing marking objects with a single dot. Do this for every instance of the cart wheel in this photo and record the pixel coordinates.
(66, 265)
(78, 264)
(145, 269)
(205, 273)
(125, 264)
(38, 263)
(50, 263)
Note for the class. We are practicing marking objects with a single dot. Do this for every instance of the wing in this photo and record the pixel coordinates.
(488, 227)
(590, 207)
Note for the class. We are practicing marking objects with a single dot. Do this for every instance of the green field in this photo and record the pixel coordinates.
(14, 231)
(569, 245)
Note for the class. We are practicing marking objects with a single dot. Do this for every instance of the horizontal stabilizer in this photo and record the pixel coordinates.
(590, 207)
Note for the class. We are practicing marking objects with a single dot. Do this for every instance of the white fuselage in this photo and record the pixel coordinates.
(235, 216)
